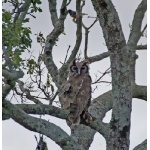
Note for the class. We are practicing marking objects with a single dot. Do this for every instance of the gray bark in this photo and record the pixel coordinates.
(120, 57)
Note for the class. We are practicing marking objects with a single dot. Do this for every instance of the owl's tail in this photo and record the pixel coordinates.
(74, 120)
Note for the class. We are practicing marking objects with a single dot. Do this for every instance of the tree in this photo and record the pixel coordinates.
(17, 41)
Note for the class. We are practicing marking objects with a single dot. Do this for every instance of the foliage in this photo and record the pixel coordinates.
(16, 35)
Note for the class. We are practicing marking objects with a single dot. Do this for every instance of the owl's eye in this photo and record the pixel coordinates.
(83, 68)
(74, 68)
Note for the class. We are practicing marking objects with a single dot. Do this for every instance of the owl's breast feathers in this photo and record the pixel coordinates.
(75, 97)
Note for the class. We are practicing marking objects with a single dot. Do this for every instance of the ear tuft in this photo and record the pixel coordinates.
(85, 62)
(74, 62)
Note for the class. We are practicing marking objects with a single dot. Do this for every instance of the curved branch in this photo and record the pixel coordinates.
(52, 38)
(99, 107)
(42, 109)
(78, 33)
(53, 11)
(103, 103)
(141, 146)
(10, 81)
(39, 109)
(13, 75)
(136, 24)
(63, 70)
(98, 57)
(41, 126)
(110, 23)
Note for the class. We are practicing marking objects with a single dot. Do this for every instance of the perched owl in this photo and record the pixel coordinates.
(75, 95)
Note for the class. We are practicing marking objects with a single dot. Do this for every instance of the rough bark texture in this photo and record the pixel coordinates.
(120, 57)
(86, 138)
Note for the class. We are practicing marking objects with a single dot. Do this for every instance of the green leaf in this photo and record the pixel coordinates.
(6, 16)
(26, 20)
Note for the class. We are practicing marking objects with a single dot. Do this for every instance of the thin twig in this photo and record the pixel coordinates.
(67, 54)
(86, 37)
(98, 80)
(143, 30)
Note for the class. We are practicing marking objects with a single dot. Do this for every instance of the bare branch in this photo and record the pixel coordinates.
(53, 11)
(98, 57)
(139, 92)
(66, 54)
(142, 146)
(53, 98)
(86, 37)
(42, 109)
(110, 23)
(41, 126)
(78, 32)
(62, 71)
(135, 33)
(104, 102)
(103, 74)
(27, 92)
(69, 2)
(14, 75)
(145, 27)
(141, 47)
(10, 81)
(51, 39)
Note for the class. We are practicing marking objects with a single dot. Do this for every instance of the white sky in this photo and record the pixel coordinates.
(16, 137)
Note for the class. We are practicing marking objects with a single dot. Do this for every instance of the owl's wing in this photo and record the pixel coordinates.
(75, 97)
(65, 95)
(67, 100)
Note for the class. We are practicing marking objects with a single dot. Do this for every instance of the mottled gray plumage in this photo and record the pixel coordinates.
(76, 91)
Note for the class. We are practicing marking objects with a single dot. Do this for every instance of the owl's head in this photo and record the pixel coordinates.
(79, 68)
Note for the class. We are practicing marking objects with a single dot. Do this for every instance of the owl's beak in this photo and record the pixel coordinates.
(79, 71)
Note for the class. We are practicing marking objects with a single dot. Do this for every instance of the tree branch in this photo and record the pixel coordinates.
(27, 92)
(14, 75)
(141, 47)
(10, 78)
(7, 58)
(41, 126)
(86, 37)
(78, 32)
(22, 11)
(142, 146)
(86, 138)
(139, 92)
(63, 70)
(99, 107)
(51, 39)
(53, 11)
(135, 33)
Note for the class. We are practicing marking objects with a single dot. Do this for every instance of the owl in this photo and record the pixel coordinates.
(76, 92)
